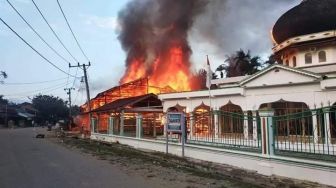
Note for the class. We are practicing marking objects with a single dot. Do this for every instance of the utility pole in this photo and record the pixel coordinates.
(69, 94)
(84, 67)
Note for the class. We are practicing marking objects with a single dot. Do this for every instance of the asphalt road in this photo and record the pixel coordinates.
(29, 162)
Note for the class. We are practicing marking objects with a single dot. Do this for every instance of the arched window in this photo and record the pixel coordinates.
(294, 61)
(287, 62)
(322, 56)
(308, 58)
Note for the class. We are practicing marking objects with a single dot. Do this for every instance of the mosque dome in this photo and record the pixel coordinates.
(310, 16)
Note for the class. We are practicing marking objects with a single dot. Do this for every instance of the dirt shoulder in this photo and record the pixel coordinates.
(184, 171)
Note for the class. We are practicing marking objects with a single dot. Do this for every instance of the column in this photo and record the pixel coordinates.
(122, 114)
(267, 140)
(255, 128)
(138, 126)
(315, 131)
(164, 122)
(245, 125)
(93, 125)
(327, 137)
(216, 123)
(192, 128)
(111, 125)
(154, 125)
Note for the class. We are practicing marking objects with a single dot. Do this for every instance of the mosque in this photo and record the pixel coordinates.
(303, 82)
(278, 121)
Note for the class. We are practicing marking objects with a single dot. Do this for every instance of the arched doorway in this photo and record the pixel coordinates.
(203, 121)
(231, 120)
(177, 108)
(293, 120)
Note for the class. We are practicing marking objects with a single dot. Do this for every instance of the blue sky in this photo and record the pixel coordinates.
(95, 25)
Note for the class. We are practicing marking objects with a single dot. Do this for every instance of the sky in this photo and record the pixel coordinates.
(221, 30)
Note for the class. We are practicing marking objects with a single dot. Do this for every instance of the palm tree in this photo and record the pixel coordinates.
(3, 75)
(240, 64)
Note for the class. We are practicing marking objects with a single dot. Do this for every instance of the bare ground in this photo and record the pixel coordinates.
(175, 171)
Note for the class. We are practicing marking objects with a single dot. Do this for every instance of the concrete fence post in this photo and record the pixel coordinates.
(245, 118)
(315, 131)
(191, 124)
(255, 126)
(94, 125)
(267, 137)
(138, 126)
(216, 123)
(327, 137)
(122, 117)
(111, 125)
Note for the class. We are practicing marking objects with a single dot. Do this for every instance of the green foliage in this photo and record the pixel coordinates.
(75, 110)
(243, 63)
(3, 101)
(50, 108)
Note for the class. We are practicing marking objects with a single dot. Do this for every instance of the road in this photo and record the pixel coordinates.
(26, 161)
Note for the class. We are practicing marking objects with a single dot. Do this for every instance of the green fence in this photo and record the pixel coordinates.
(308, 134)
(230, 130)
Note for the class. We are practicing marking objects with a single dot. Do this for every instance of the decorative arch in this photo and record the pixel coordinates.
(322, 56)
(308, 58)
(292, 119)
(177, 108)
(294, 61)
(231, 107)
(231, 120)
(202, 117)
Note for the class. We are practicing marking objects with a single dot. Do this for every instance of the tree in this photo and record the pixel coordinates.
(3, 75)
(75, 110)
(271, 60)
(240, 64)
(3, 101)
(50, 108)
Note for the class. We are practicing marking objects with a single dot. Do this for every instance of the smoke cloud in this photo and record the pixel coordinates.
(229, 25)
(151, 28)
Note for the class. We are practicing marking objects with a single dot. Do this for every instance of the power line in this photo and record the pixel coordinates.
(51, 88)
(73, 83)
(35, 49)
(30, 83)
(59, 5)
(38, 9)
(31, 27)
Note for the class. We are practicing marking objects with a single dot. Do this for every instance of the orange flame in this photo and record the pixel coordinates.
(164, 72)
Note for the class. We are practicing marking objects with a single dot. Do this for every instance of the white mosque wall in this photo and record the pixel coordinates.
(251, 99)
(320, 172)
(300, 56)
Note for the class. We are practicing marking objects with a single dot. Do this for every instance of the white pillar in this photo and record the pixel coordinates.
(111, 125)
(255, 128)
(164, 122)
(245, 125)
(315, 131)
(216, 124)
(267, 141)
(122, 123)
(154, 125)
(327, 133)
(192, 124)
(138, 126)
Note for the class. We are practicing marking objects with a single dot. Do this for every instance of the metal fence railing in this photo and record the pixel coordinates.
(308, 134)
(225, 130)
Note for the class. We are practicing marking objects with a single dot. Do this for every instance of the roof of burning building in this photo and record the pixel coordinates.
(148, 100)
